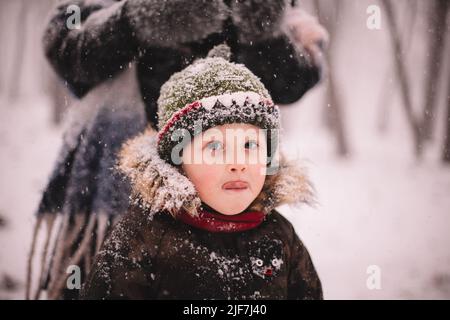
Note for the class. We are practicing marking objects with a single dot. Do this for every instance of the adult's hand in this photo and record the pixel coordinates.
(306, 34)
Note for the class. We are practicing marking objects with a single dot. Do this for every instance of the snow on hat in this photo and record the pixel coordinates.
(212, 91)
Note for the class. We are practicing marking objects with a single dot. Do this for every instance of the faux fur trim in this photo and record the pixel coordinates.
(156, 184)
(160, 186)
(289, 185)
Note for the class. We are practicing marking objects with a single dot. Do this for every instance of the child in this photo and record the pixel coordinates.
(203, 224)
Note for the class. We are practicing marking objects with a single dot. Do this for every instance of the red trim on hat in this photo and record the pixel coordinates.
(176, 116)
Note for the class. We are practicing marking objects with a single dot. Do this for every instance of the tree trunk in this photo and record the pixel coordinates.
(403, 79)
(19, 51)
(446, 150)
(336, 116)
(436, 29)
(333, 110)
(389, 87)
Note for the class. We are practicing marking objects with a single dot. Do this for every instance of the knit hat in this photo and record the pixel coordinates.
(213, 91)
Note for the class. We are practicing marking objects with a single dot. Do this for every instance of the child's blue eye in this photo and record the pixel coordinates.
(251, 145)
(215, 145)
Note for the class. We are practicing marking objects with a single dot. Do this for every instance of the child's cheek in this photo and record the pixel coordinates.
(258, 176)
(207, 178)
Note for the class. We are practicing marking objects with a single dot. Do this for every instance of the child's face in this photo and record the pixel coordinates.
(227, 165)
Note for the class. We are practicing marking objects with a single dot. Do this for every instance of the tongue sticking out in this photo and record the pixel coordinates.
(235, 185)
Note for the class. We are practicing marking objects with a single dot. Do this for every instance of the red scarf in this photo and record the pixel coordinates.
(217, 222)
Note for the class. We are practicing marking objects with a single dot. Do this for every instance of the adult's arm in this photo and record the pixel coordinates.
(100, 47)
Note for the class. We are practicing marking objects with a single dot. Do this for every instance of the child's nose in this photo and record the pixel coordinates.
(237, 167)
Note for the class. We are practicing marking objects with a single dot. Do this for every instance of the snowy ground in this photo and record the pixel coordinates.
(378, 209)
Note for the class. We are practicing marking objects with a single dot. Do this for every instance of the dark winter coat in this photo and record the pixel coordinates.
(167, 259)
(152, 255)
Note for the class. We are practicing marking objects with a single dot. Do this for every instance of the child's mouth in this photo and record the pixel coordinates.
(235, 185)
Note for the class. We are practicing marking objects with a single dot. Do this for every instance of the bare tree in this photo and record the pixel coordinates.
(420, 126)
(54, 87)
(436, 29)
(19, 51)
(400, 68)
(2, 48)
(446, 149)
(389, 87)
(333, 110)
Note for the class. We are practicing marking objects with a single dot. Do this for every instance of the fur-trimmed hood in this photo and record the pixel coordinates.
(159, 186)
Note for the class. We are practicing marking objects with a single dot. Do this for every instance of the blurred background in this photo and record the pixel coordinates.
(374, 135)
